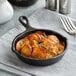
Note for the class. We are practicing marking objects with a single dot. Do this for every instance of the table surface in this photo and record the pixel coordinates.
(27, 11)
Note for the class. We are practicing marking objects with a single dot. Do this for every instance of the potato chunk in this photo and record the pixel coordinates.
(21, 43)
(45, 44)
(38, 53)
(26, 50)
(33, 36)
(53, 39)
(34, 43)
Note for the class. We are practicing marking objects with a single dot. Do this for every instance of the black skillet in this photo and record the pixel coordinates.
(29, 30)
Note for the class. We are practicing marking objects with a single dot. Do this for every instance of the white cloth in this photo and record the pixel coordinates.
(47, 20)
(2, 1)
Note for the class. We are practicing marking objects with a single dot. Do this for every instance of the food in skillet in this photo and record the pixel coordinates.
(39, 45)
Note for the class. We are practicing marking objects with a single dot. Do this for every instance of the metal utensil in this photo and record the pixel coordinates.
(51, 5)
(68, 24)
(65, 6)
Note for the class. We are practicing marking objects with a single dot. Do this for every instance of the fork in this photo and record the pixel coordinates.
(68, 24)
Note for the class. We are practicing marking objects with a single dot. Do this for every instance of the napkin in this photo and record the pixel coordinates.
(40, 19)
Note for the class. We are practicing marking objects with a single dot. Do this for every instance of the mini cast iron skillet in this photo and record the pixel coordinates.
(29, 30)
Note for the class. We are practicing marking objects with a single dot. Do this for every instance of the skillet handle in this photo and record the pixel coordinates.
(24, 21)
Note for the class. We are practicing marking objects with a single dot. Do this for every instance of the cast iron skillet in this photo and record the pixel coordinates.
(29, 30)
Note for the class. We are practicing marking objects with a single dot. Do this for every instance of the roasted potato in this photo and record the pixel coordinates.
(53, 39)
(26, 50)
(38, 53)
(39, 45)
(33, 36)
(21, 43)
(45, 44)
(34, 43)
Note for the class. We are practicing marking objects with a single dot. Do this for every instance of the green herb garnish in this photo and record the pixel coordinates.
(36, 55)
(40, 42)
(20, 44)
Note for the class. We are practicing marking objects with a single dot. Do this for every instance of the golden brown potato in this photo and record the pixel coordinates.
(33, 36)
(21, 43)
(38, 53)
(45, 44)
(34, 43)
(26, 50)
(53, 39)
(53, 50)
(49, 55)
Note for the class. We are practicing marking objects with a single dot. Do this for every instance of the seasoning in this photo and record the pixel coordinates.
(51, 4)
(65, 6)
